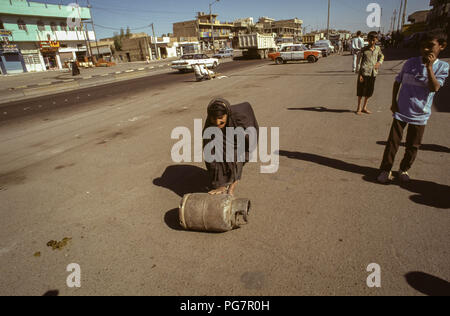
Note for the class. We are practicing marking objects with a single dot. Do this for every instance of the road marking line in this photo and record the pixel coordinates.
(44, 84)
(88, 77)
(118, 72)
(130, 70)
(141, 69)
(152, 67)
(105, 75)
(22, 87)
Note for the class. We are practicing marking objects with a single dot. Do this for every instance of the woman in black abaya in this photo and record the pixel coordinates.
(225, 175)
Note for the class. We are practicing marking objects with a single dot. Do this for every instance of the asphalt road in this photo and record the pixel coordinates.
(102, 175)
(109, 92)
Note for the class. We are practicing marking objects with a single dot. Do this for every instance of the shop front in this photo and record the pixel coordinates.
(49, 51)
(32, 56)
(11, 60)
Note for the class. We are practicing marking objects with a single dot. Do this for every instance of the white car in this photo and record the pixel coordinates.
(186, 62)
(326, 43)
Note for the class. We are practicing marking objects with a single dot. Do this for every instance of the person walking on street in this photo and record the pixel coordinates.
(357, 46)
(75, 68)
(418, 81)
(371, 59)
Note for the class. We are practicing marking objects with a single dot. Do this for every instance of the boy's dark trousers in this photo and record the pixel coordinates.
(413, 142)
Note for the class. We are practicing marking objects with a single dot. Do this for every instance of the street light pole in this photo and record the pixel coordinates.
(212, 25)
(328, 23)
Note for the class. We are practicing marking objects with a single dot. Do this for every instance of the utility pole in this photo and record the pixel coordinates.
(404, 13)
(399, 15)
(328, 23)
(156, 40)
(88, 47)
(93, 28)
(381, 19)
(395, 20)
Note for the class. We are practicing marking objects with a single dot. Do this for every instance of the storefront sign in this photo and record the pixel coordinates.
(49, 45)
(5, 33)
(9, 48)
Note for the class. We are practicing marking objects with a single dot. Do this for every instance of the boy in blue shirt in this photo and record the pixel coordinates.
(419, 80)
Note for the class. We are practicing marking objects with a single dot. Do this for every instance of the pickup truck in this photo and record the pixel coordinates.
(295, 52)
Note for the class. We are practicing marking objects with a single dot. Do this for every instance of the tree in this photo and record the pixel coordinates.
(128, 34)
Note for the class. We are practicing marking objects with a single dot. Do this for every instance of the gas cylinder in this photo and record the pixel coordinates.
(213, 213)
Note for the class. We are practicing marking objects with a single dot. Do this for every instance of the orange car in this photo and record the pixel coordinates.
(295, 52)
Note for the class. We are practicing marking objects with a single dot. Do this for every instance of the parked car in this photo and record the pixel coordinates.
(224, 53)
(185, 63)
(295, 52)
(323, 48)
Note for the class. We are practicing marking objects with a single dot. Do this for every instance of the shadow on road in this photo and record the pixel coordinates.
(427, 193)
(426, 147)
(172, 220)
(52, 293)
(321, 109)
(428, 284)
(184, 179)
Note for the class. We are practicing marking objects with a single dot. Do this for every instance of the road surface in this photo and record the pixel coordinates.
(99, 171)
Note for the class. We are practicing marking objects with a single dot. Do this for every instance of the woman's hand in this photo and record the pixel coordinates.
(361, 78)
(377, 66)
(221, 190)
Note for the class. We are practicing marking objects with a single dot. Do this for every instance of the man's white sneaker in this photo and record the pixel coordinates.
(385, 177)
(404, 176)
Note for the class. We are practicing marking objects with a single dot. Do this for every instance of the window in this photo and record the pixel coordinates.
(41, 26)
(2, 27)
(22, 26)
(53, 27)
(63, 26)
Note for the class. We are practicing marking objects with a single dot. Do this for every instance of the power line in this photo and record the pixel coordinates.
(118, 29)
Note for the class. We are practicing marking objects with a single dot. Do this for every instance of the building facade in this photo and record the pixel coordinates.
(286, 30)
(42, 36)
(206, 29)
(136, 47)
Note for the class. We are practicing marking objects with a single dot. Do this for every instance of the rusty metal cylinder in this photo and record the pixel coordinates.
(213, 213)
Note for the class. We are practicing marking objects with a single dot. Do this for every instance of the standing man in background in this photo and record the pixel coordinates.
(357, 46)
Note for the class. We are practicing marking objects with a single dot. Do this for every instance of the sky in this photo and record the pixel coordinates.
(110, 15)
